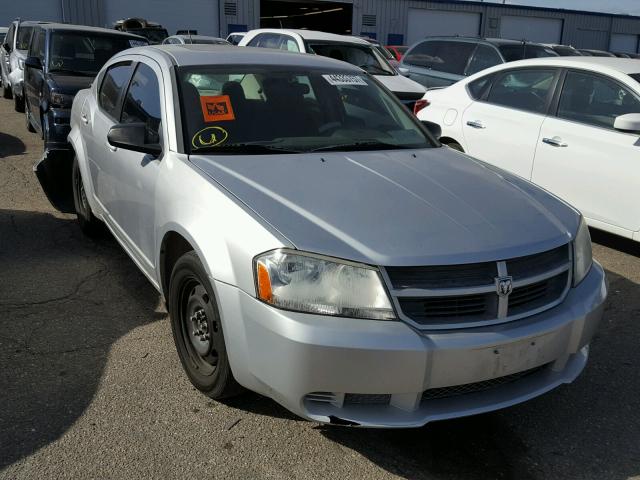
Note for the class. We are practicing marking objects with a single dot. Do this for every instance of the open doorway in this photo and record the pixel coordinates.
(332, 17)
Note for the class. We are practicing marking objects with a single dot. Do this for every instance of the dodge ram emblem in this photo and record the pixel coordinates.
(504, 286)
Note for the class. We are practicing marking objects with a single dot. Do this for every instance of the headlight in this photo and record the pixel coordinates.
(582, 256)
(310, 283)
(61, 100)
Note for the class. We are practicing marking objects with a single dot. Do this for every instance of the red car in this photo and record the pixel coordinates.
(398, 51)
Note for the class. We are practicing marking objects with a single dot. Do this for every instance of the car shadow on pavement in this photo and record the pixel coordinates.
(10, 145)
(589, 429)
(625, 245)
(64, 300)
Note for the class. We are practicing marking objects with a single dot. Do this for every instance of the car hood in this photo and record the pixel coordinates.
(69, 84)
(402, 207)
(401, 84)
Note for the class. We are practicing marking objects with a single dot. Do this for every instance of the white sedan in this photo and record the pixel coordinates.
(569, 124)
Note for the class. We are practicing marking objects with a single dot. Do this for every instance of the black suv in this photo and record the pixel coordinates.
(441, 61)
(63, 59)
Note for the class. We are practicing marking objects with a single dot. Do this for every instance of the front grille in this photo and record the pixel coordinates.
(456, 390)
(467, 295)
(366, 399)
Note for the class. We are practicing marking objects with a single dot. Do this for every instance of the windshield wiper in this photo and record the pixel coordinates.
(73, 72)
(359, 146)
(248, 148)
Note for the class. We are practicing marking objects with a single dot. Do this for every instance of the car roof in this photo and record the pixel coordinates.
(197, 37)
(199, 54)
(30, 23)
(491, 40)
(315, 35)
(620, 65)
(83, 28)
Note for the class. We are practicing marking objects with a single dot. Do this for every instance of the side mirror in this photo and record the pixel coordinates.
(134, 137)
(33, 62)
(434, 128)
(404, 71)
(6, 47)
(629, 122)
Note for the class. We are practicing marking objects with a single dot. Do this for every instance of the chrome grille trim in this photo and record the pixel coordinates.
(557, 265)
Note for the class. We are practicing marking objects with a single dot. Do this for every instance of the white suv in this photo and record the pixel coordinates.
(569, 124)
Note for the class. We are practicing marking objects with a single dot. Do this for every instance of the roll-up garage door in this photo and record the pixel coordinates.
(534, 29)
(622, 42)
(200, 15)
(427, 23)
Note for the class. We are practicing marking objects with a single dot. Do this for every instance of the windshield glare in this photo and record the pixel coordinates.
(256, 110)
(24, 36)
(363, 56)
(80, 52)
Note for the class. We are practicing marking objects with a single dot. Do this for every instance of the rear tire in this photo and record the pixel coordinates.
(89, 224)
(18, 104)
(197, 329)
(6, 91)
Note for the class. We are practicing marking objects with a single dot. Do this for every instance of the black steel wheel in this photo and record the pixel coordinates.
(89, 224)
(197, 330)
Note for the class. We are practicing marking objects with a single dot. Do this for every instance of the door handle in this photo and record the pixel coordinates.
(554, 142)
(111, 147)
(85, 119)
(476, 124)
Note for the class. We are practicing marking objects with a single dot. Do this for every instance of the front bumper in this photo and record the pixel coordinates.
(57, 126)
(316, 366)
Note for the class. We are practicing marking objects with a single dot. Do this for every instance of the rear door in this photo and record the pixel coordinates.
(502, 128)
(583, 159)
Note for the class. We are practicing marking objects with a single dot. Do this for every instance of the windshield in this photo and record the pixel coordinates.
(23, 38)
(258, 110)
(84, 52)
(519, 52)
(154, 35)
(363, 56)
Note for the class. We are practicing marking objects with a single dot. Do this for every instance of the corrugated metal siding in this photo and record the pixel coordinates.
(82, 12)
(29, 10)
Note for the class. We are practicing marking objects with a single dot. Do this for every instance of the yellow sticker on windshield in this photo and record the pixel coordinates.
(209, 137)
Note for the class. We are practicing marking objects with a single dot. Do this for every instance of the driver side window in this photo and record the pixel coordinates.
(142, 102)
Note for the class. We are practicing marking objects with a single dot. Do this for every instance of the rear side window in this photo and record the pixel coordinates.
(142, 102)
(478, 87)
(265, 40)
(484, 57)
(441, 55)
(595, 100)
(112, 87)
(523, 89)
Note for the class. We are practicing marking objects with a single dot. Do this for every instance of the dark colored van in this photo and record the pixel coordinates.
(63, 59)
(442, 61)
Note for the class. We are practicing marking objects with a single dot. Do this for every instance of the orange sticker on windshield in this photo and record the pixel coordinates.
(217, 108)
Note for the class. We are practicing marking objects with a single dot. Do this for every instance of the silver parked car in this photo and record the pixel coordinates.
(183, 39)
(12, 56)
(315, 244)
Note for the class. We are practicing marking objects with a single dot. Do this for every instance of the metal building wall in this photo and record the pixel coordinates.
(82, 12)
(586, 30)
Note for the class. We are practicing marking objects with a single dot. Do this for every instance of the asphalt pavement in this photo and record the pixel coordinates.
(91, 386)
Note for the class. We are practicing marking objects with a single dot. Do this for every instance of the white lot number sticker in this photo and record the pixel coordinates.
(337, 79)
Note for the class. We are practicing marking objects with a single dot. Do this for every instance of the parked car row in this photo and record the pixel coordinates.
(313, 240)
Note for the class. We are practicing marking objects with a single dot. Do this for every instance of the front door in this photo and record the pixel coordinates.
(503, 128)
(584, 160)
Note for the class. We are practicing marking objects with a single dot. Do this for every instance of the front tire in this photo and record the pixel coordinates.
(197, 329)
(6, 91)
(18, 104)
(89, 224)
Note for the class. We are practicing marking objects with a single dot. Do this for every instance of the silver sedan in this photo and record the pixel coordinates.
(315, 244)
